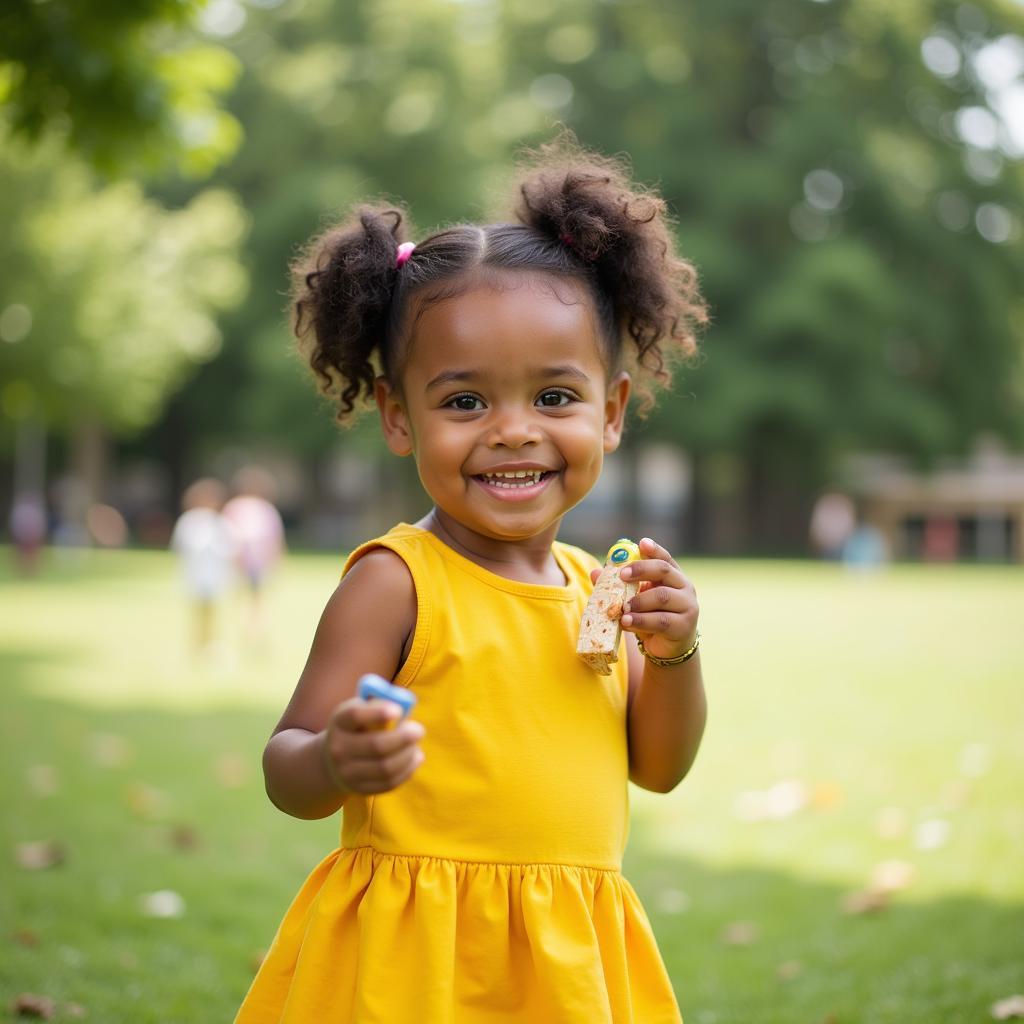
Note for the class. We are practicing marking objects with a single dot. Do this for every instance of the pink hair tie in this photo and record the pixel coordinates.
(404, 252)
(568, 240)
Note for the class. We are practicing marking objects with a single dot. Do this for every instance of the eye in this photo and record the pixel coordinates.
(555, 398)
(465, 403)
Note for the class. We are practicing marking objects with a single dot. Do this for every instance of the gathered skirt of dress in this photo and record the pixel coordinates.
(457, 942)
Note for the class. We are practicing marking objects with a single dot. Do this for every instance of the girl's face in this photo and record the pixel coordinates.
(506, 404)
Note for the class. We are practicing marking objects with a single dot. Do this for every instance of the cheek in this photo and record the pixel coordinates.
(584, 442)
(442, 448)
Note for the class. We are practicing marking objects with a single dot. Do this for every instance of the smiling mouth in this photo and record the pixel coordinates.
(520, 479)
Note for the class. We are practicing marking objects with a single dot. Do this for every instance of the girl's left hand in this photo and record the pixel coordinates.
(664, 612)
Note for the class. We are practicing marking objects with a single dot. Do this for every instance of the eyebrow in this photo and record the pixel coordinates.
(548, 373)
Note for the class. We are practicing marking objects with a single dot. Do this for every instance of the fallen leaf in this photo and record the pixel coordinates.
(109, 750)
(787, 798)
(74, 958)
(975, 760)
(672, 901)
(145, 801)
(26, 937)
(891, 823)
(739, 933)
(232, 770)
(789, 969)
(931, 834)
(1011, 1006)
(892, 876)
(826, 795)
(43, 780)
(162, 903)
(184, 837)
(782, 800)
(39, 855)
(955, 794)
(30, 1005)
(865, 901)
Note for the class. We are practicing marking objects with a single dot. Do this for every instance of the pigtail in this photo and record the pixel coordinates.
(342, 289)
(623, 234)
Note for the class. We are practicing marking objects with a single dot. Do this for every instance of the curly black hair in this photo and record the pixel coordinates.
(578, 216)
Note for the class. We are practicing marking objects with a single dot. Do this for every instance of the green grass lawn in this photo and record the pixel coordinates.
(855, 721)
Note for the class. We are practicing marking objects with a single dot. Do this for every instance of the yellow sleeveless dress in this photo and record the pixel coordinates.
(486, 889)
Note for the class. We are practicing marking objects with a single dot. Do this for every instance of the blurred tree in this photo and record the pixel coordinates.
(846, 181)
(107, 299)
(125, 83)
(843, 175)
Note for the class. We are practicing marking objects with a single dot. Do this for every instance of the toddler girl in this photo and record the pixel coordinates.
(478, 877)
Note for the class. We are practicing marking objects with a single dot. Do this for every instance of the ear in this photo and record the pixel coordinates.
(615, 409)
(393, 418)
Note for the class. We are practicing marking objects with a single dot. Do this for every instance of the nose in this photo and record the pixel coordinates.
(512, 427)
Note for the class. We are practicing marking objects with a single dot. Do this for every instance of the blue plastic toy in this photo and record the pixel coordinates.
(372, 686)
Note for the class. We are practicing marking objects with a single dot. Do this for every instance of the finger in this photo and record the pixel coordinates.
(376, 745)
(671, 625)
(657, 571)
(655, 599)
(652, 549)
(357, 715)
(379, 776)
(594, 573)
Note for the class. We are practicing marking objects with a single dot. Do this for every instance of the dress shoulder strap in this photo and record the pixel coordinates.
(408, 544)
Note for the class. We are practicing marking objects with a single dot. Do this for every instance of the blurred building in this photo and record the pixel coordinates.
(961, 510)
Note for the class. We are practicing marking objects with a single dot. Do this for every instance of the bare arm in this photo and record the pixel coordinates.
(667, 705)
(325, 745)
(667, 714)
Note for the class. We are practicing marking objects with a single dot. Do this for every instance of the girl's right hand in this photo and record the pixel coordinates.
(362, 755)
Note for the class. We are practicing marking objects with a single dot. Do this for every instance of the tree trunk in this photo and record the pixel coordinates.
(90, 456)
(777, 504)
(29, 458)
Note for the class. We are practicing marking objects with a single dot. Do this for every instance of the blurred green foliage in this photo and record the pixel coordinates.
(812, 156)
(122, 81)
(842, 173)
(119, 297)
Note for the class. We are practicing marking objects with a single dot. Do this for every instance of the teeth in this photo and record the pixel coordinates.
(519, 478)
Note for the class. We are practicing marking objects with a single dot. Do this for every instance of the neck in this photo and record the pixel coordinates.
(527, 561)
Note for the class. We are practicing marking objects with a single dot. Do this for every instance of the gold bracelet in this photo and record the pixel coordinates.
(669, 662)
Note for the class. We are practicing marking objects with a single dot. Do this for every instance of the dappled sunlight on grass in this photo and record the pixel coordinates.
(851, 699)
(860, 728)
(125, 622)
(751, 943)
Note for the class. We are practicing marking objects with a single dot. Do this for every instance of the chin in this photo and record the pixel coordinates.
(516, 533)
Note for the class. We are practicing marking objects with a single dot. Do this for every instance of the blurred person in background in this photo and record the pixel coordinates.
(206, 546)
(259, 534)
(833, 521)
(866, 548)
(27, 525)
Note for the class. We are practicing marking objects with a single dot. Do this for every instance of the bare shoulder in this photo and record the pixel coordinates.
(379, 571)
(377, 595)
(366, 626)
